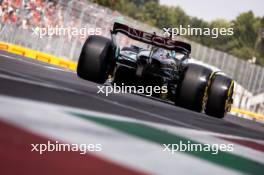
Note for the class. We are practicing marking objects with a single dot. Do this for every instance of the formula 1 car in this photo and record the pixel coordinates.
(165, 63)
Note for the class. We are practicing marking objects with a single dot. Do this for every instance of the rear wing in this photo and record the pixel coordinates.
(152, 39)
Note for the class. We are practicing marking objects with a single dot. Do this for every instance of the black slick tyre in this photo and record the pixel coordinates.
(219, 96)
(96, 59)
(192, 88)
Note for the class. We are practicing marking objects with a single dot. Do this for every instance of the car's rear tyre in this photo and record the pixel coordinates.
(219, 96)
(96, 59)
(192, 89)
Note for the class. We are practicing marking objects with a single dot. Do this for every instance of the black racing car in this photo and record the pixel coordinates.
(164, 63)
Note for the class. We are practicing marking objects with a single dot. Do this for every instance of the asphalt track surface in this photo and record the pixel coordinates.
(30, 79)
